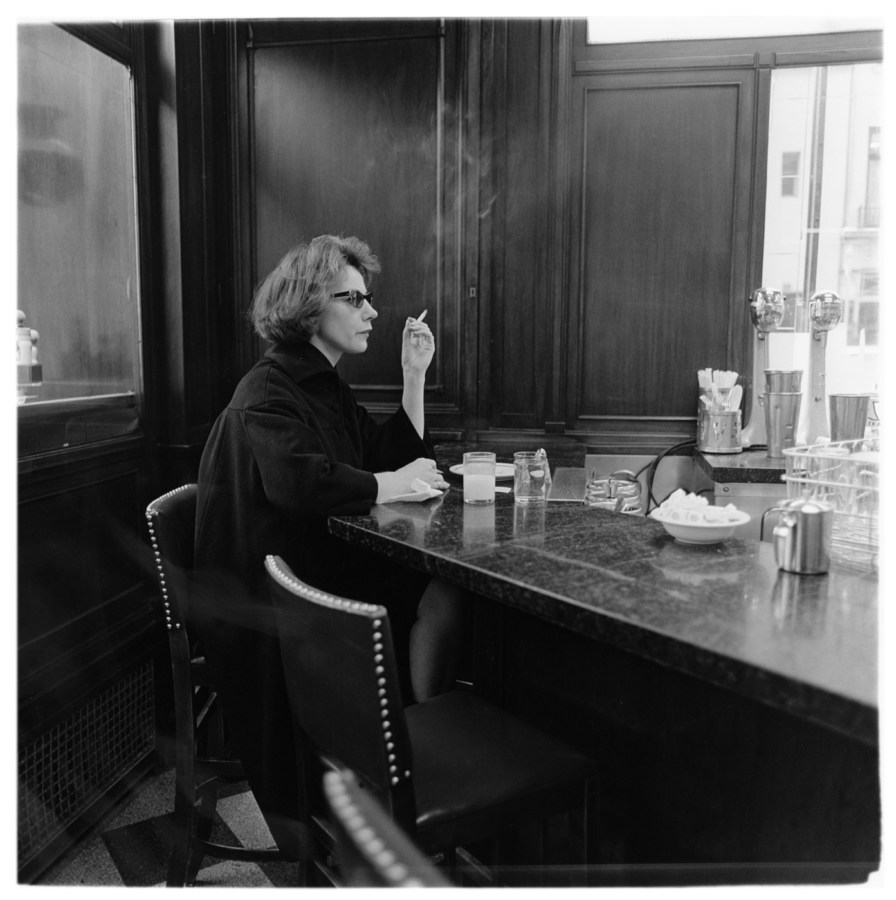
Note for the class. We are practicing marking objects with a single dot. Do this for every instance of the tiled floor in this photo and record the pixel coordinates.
(132, 848)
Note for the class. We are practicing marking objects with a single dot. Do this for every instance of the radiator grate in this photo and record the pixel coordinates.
(70, 766)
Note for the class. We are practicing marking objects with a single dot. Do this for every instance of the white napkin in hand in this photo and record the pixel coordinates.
(420, 490)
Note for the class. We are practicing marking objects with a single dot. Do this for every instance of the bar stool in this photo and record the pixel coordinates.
(202, 764)
(452, 770)
(371, 850)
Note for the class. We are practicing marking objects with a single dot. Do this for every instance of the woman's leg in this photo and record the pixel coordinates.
(436, 639)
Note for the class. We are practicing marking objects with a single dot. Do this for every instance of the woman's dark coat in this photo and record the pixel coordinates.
(292, 447)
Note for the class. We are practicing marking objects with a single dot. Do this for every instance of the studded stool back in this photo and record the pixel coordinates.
(355, 709)
(372, 851)
(202, 764)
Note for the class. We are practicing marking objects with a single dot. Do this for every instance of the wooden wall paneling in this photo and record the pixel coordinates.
(162, 234)
(224, 56)
(84, 563)
(516, 215)
(559, 222)
(447, 401)
(163, 417)
(88, 642)
(355, 132)
(202, 214)
(486, 224)
(240, 56)
(75, 551)
(354, 152)
(661, 178)
(790, 49)
(271, 32)
(449, 414)
(191, 332)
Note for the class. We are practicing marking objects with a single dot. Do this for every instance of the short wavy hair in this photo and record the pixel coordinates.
(288, 303)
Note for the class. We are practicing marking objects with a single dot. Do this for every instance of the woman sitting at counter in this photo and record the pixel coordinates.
(293, 447)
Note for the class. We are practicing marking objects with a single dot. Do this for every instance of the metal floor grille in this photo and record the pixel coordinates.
(66, 769)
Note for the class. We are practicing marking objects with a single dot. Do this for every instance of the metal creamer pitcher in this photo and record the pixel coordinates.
(802, 537)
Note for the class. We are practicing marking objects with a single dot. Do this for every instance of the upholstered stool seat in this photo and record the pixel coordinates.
(479, 769)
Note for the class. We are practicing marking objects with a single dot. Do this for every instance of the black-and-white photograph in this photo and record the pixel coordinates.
(449, 447)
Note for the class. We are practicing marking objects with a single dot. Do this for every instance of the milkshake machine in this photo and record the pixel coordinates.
(766, 312)
(825, 311)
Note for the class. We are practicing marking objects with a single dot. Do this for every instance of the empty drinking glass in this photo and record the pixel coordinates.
(529, 477)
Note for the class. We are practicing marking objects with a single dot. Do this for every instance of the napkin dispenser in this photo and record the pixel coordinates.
(617, 492)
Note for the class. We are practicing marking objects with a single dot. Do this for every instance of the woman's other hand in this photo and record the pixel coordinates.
(417, 347)
(393, 484)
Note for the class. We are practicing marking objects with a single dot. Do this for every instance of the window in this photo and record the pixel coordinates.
(682, 27)
(828, 239)
(862, 313)
(869, 216)
(790, 173)
(77, 245)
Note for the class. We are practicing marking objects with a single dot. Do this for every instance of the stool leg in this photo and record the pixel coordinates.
(184, 762)
(204, 820)
(182, 839)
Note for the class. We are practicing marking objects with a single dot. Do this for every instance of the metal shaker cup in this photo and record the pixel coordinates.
(849, 416)
(782, 413)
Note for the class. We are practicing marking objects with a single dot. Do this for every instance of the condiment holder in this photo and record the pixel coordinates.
(719, 432)
(718, 412)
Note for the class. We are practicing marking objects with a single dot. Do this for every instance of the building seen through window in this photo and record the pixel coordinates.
(823, 213)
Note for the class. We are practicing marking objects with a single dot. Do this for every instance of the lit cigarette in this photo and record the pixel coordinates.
(422, 315)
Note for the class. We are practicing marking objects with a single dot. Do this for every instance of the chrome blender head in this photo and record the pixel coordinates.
(766, 310)
(825, 311)
(766, 313)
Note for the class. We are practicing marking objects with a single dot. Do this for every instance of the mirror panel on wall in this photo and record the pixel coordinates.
(77, 244)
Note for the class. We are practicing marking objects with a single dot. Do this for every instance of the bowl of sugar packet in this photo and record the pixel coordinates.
(690, 518)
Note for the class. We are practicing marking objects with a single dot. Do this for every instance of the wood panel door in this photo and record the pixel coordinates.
(352, 127)
(661, 172)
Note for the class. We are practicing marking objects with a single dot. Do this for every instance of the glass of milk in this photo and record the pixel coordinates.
(479, 477)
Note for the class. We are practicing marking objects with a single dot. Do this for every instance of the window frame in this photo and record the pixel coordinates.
(123, 43)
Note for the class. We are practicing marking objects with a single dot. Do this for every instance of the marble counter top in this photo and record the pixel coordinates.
(723, 613)
(748, 467)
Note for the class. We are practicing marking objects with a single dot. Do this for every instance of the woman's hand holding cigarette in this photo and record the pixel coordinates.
(418, 345)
